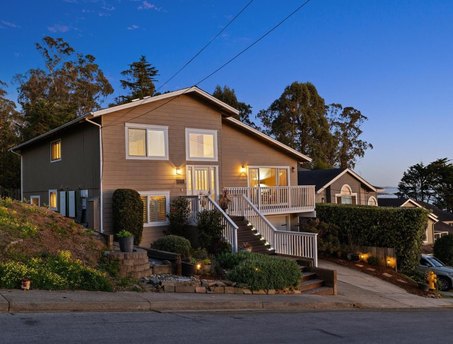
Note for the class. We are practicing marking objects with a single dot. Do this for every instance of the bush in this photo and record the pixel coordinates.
(210, 232)
(179, 216)
(373, 261)
(173, 243)
(399, 228)
(128, 213)
(443, 249)
(328, 242)
(259, 271)
(54, 272)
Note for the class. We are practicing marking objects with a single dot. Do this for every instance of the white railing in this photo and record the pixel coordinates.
(274, 199)
(230, 229)
(298, 244)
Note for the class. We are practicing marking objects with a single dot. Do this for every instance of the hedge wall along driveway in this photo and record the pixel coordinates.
(400, 228)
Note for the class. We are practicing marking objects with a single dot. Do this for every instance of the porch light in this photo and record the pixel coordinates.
(243, 170)
(178, 171)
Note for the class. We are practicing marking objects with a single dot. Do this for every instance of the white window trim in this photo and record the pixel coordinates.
(35, 197)
(167, 201)
(277, 167)
(201, 131)
(56, 193)
(353, 194)
(61, 152)
(375, 200)
(147, 127)
(216, 181)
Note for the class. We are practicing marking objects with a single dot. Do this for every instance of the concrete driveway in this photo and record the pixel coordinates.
(368, 291)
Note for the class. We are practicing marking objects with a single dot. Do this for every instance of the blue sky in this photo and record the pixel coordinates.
(393, 60)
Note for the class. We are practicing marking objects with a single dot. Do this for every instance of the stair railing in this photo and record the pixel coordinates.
(299, 244)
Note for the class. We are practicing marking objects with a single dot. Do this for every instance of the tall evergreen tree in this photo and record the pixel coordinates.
(228, 96)
(139, 80)
(297, 118)
(10, 123)
(345, 126)
(71, 85)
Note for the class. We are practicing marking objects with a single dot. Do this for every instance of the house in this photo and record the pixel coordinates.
(182, 143)
(340, 186)
(430, 234)
(444, 225)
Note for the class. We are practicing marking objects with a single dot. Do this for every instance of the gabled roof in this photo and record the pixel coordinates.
(401, 202)
(443, 227)
(323, 178)
(441, 214)
(226, 110)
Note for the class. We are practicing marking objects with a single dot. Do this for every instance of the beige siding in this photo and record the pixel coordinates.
(429, 232)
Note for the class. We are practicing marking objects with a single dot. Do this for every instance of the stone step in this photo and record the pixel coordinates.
(311, 284)
(306, 276)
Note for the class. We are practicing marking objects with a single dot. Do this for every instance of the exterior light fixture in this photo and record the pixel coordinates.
(243, 170)
(178, 171)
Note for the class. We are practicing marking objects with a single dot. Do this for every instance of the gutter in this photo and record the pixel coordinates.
(101, 195)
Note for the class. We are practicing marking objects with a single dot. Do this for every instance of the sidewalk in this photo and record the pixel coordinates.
(356, 290)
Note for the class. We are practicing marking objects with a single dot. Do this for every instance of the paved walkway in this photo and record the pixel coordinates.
(355, 290)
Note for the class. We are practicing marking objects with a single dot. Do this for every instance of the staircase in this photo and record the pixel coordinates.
(246, 234)
(310, 283)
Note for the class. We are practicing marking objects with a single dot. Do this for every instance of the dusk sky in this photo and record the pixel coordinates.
(392, 60)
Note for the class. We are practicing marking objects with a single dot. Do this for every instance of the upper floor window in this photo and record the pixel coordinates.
(268, 176)
(146, 141)
(372, 201)
(346, 196)
(201, 144)
(55, 151)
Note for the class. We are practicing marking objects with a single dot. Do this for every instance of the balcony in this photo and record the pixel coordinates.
(273, 199)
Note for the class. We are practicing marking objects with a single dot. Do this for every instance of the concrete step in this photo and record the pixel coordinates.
(320, 291)
(306, 276)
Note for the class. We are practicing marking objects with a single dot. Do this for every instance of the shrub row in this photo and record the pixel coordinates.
(127, 208)
(259, 271)
(400, 228)
(54, 273)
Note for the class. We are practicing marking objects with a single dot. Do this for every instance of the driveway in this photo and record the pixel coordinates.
(368, 291)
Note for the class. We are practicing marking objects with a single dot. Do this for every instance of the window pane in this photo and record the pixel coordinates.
(137, 142)
(35, 201)
(56, 150)
(346, 200)
(156, 143)
(201, 145)
(157, 209)
(282, 177)
(53, 200)
(253, 177)
(268, 176)
(145, 208)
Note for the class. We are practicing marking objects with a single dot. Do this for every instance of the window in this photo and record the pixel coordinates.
(55, 151)
(268, 176)
(35, 200)
(201, 144)
(53, 200)
(146, 142)
(155, 207)
(346, 196)
(372, 201)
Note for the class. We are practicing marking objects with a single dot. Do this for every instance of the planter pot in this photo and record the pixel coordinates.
(187, 269)
(126, 244)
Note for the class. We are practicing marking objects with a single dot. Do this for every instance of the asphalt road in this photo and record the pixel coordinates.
(311, 327)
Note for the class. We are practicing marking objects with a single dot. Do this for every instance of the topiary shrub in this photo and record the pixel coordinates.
(259, 271)
(179, 216)
(127, 208)
(443, 249)
(173, 243)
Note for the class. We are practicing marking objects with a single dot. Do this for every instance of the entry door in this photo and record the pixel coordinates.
(202, 180)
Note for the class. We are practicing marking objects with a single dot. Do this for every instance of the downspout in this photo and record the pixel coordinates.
(21, 175)
(101, 196)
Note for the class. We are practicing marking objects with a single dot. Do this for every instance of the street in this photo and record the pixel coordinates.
(410, 326)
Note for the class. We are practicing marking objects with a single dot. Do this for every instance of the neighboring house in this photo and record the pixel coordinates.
(430, 234)
(340, 186)
(445, 224)
(182, 143)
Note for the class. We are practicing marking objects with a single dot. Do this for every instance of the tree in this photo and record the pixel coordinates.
(228, 96)
(442, 171)
(9, 136)
(298, 120)
(345, 126)
(139, 80)
(71, 85)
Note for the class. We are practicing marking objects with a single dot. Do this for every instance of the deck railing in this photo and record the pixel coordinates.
(298, 244)
(198, 203)
(274, 199)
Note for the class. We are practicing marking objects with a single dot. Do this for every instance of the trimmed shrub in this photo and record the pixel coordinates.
(400, 228)
(443, 249)
(259, 271)
(128, 213)
(179, 216)
(210, 232)
(173, 243)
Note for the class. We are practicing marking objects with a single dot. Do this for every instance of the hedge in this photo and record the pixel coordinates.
(443, 249)
(400, 228)
(127, 209)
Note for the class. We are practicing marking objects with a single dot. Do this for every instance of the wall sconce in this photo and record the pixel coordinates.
(293, 169)
(178, 171)
(243, 170)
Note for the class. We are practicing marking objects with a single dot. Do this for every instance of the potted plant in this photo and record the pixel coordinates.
(224, 200)
(126, 241)
(246, 246)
